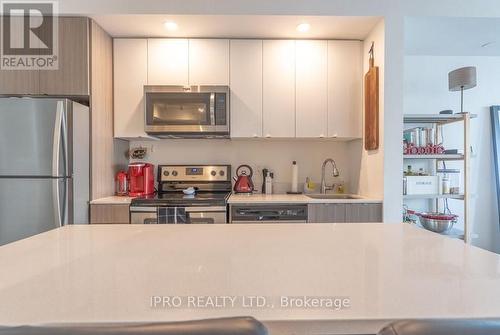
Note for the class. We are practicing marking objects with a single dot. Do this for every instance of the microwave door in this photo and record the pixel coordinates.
(180, 109)
(204, 113)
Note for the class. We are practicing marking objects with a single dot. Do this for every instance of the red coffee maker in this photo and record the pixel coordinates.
(141, 179)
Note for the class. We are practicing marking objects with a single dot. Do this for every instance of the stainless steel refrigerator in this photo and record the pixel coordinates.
(44, 165)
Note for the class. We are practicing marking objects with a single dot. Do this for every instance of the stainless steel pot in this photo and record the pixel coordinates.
(437, 222)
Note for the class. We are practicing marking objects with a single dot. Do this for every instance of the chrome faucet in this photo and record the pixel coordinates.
(336, 173)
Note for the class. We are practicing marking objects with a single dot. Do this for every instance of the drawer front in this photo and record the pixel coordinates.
(361, 213)
(109, 213)
(326, 213)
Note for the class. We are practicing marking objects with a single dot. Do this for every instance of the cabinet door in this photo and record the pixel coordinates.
(208, 62)
(363, 213)
(345, 81)
(246, 88)
(109, 214)
(326, 213)
(279, 88)
(168, 61)
(130, 76)
(19, 82)
(311, 88)
(72, 77)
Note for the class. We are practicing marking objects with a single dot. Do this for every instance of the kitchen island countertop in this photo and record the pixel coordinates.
(115, 273)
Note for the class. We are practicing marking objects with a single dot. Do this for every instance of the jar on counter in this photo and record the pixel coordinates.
(445, 184)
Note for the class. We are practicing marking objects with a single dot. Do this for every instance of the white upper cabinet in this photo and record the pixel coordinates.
(246, 88)
(311, 82)
(345, 80)
(279, 88)
(130, 73)
(168, 61)
(208, 62)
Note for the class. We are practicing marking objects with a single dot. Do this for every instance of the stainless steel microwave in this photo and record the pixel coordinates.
(187, 111)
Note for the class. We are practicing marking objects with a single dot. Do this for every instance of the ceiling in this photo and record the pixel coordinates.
(238, 26)
(447, 36)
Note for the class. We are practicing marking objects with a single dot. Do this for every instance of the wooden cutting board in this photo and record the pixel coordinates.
(371, 106)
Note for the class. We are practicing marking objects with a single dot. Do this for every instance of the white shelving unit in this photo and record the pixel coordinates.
(434, 196)
(436, 121)
(443, 157)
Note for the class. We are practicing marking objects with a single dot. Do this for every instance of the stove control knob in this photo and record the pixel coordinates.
(174, 173)
(166, 173)
(213, 173)
(222, 173)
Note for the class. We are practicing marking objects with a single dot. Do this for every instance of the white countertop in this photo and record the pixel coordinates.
(293, 199)
(255, 198)
(108, 273)
(112, 200)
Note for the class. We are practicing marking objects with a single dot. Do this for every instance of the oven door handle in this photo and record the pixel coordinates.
(143, 209)
(205, 209)
(195, 217)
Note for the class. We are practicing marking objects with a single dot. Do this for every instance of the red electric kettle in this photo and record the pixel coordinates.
(243, 184)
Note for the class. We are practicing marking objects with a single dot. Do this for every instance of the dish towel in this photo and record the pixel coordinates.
(172, 215)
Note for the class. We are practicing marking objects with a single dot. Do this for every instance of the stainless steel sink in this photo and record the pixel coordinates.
(333, 196)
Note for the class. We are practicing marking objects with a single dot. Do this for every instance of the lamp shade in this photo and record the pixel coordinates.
(463, 78)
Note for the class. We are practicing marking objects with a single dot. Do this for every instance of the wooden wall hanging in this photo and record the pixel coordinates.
(372, 105)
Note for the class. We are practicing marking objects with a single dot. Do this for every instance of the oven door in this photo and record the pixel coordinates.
(192, 215)
(197, 111)
(143, 215)
(206, 215)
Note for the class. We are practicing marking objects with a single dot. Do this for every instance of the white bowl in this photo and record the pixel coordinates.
(189, 191)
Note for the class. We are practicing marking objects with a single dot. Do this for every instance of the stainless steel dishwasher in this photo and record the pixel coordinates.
(268, 213)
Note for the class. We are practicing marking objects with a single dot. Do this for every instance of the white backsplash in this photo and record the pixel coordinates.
(274, 154)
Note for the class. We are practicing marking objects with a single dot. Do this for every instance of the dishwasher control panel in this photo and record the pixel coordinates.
(268, 213)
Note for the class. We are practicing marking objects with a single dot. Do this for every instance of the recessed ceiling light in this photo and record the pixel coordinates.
(170, 25)
(303, 27)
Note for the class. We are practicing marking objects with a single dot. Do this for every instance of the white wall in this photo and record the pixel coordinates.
(369, 165)
(426, 91)
(274, 154)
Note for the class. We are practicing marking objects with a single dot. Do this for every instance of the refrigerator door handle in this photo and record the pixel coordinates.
(56, 142)
(58, 150)
(56, 199)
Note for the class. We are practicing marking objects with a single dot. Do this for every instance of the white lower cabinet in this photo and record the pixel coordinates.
(130, 73)
(246, 88)
(279, 88)
(345, 89)
(311, 82)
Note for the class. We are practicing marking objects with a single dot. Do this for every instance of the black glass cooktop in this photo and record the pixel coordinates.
(180, 199)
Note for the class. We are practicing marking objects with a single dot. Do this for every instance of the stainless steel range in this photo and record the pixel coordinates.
(212, 185)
